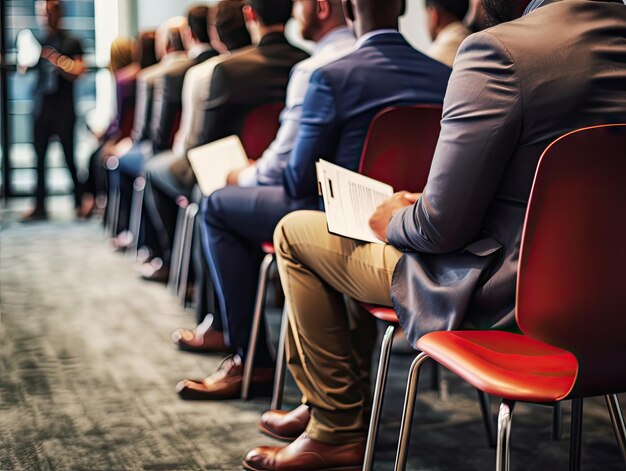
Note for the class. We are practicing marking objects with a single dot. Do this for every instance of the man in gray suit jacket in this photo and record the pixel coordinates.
(452, 253)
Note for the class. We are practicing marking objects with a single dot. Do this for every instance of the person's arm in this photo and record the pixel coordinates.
(480, 130)
(216, 110)
(168, 112)
(71, 67)
(317, 138)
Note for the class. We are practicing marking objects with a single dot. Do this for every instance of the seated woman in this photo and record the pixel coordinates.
(127, 59)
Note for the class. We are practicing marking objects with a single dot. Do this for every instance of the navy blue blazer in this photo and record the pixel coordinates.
(345, 95)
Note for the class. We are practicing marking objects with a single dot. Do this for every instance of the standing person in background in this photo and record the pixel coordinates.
(60, 64)
(446, 28)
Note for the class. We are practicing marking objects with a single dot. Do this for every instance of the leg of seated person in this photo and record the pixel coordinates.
(161, 192)
(235, 223)
(316, 268)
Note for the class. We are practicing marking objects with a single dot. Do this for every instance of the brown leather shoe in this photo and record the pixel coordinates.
(306, 454)
(202, 339)
(283, 425)
(226, 383)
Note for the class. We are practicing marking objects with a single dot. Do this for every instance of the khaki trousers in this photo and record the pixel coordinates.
(329, 347)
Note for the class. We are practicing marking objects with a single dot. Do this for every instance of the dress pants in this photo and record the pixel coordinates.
(317, 269)
(162, 189)
(236, 221)
(131, 166)
(54, 119)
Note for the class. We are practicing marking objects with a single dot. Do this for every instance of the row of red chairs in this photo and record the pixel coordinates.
(568, 299)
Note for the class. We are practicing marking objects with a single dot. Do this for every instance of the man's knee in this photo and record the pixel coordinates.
(212, 207)
(293, 228)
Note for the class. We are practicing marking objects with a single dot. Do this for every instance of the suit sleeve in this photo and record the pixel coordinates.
(169, 112)
(317, 138)
(216, 110)
(480, 130)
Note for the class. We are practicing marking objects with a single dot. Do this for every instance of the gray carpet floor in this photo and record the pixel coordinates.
(87, 376)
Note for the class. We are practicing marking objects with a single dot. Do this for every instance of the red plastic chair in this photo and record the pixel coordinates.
(260, 128)
(569, 297)
(399, 149)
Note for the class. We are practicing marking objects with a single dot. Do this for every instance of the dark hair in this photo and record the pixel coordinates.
(456, 8)
(174, 40)
(231, 25)
(272, 12)
(198, 18)
(145, 53)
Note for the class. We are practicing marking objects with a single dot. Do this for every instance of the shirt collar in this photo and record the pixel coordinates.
(197, 49)
(371, 34)
(331, 37)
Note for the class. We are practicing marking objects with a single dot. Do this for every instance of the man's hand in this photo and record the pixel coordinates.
(233, 176)
(380, 219)
(70, 68)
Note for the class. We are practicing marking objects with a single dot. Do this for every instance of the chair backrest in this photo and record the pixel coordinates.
(260, 128)
(572, 272)
(400, 145)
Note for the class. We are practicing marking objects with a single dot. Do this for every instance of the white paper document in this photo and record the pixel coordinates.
(212, 163)
(350, 200)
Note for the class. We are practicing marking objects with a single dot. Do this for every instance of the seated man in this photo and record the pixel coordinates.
(236, 85)
(227, 29)
(131, 152)
(341, 100)
(451, 257)
(446, 28)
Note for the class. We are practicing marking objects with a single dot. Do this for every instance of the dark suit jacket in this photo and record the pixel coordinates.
(146, 80)
(167, 101)
(343, 97)
(239, 85)
(514, 89)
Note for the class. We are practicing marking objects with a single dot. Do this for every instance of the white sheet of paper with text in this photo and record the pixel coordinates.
(213, 162)
(350, 199)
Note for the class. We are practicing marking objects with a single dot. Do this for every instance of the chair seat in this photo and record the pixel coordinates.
(386, 314)
(267, 247)
(503, 364)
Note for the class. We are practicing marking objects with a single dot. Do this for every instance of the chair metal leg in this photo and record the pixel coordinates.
(617, 419)
(113, 199)
(407, 413)
(259, 307)
(190, 218)
(557, 421)
(503, 452)
(485, 410)
(379, 393)
(576, 434)
(113, 207)
(175, 262)
(136, 207)
(281, 363)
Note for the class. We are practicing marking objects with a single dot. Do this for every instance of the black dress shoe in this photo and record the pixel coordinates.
(155, 270)
(35, 215)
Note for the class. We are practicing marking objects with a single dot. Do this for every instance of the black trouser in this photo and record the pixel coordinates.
(96, 182)
(55, 119)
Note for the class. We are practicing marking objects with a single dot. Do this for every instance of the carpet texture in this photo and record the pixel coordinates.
(87, 376)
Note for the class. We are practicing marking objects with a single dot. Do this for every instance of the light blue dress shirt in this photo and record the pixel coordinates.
(268, 170)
